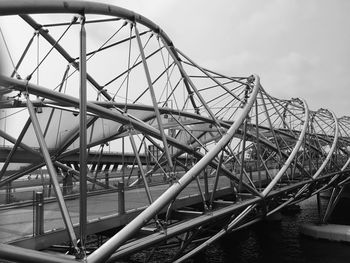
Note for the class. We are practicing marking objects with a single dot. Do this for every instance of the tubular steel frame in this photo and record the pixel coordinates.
(193, 126)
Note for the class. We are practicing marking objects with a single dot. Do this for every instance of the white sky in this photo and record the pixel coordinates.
(300, 48)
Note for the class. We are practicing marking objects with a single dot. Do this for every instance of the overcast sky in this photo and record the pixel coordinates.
(300, 48)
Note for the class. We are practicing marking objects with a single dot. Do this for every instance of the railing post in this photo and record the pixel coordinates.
(39, 214)
(107, 179)
(121, 198)
(8, 193)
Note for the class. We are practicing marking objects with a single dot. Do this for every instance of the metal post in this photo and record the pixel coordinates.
(39, 214)
(270, 124)
(105, 251)
(8, 193)
(123, 161)
(64, 184)
(216, 180)
(201, 194)
(83, 136)
(154, 101)
(107, 179)
(121, 198)
(50, 188)
(319, 207)
(139, 163)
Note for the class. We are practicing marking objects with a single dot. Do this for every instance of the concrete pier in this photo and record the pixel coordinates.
(331, 232)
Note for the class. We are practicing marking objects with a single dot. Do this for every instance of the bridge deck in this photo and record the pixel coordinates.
(17, 223)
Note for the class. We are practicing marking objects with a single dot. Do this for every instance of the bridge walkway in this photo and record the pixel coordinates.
(18, 223)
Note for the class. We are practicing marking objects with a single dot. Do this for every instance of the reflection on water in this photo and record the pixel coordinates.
(277, 242)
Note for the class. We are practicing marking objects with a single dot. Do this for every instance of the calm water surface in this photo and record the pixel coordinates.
(277, 242)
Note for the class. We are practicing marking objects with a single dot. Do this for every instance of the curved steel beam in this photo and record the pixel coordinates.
(107, 249)
(98, 110)
(332, 149)
(77, 7)
(292, 154)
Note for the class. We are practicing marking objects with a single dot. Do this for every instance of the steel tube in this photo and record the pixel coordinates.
(23, 56)
(154, 100)
(112, 115)
(217, 235)
(242, 170)
(52, 172)
(270, 123)
(183, 72)
(332, 149)
(217, 174)
(139, 163)
(328, 157)
(104, 252)
(24, 255)
(83, 138)
(208, 75)
(292, 154)
(14, 147)
(121, 198)
(182, 227)
(8, 137)
(62, 51)
(39, 213)
(77, 7)
(257, 144)
(332, 203)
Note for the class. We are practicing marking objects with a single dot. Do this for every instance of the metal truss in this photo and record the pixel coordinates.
(94, 77)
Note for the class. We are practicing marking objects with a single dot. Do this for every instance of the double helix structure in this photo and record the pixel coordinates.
(210, 153)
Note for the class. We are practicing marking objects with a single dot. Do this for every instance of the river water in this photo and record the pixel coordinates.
(278, 241)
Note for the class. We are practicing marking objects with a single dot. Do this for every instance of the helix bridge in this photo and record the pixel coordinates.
(90, 90)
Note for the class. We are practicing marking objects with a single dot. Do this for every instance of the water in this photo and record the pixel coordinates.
(277, 242)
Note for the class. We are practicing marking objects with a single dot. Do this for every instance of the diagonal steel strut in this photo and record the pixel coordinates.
(52, 173)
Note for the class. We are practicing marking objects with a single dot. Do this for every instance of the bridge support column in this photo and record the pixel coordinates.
(121, 198)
